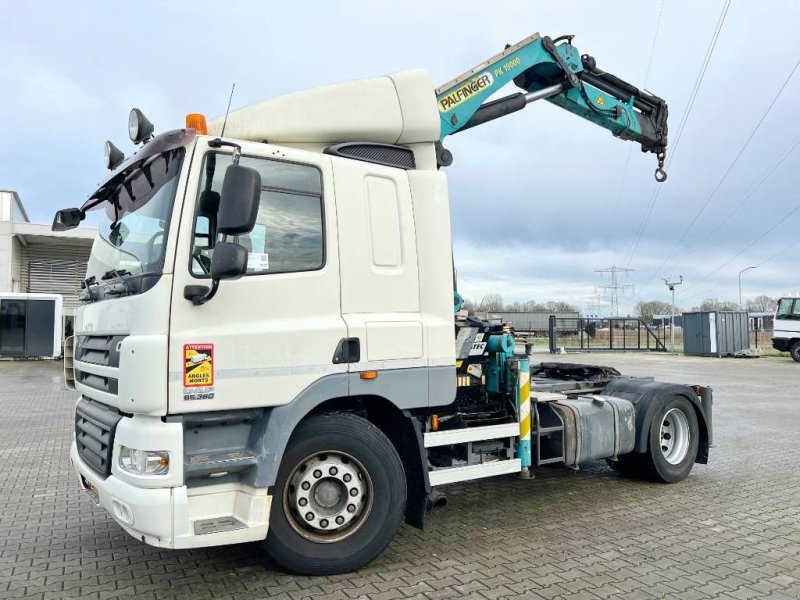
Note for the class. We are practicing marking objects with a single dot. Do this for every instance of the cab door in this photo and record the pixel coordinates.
(265, 337)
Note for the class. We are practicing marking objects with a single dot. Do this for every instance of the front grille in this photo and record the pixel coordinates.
(109, 385)
(98, 349)
(95, 425)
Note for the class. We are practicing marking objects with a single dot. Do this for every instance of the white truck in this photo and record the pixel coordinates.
(267, 348)
(786, 327)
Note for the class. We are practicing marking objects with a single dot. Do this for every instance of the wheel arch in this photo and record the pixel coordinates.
(332, 394)
(647, 397)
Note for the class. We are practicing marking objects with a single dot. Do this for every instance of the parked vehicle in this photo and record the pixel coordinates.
(266, 349)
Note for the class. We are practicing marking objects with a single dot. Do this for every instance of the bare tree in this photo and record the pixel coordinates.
(716, 304)
(491, 302)
(470, 305)
(762, 303)
(647, 308)
(558, 306)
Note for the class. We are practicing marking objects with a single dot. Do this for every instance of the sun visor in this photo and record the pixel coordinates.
(399, 108)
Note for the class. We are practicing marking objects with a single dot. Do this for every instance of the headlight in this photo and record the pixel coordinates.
(143, 462)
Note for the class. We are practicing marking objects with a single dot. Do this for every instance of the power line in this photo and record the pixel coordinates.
(692, 96)
(766, 260)
(771, 168)
(750, 245)
(729, 169)
(646, 78)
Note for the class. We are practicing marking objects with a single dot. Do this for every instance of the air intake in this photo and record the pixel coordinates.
(379, 154)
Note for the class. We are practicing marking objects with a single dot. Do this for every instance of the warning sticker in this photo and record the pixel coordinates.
(198, 370)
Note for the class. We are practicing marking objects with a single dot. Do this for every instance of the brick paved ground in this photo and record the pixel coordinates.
(732, 530)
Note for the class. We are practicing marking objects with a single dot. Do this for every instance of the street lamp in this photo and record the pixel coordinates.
(672, 284)
(740, 282)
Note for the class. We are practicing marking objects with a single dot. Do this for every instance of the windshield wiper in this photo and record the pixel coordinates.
(87, 293)
(124, 285)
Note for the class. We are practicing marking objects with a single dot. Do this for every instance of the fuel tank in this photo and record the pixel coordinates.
(596, 427)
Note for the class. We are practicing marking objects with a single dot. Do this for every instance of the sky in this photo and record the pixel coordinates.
(540, 200)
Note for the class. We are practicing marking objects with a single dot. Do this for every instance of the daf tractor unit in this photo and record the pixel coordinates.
(270, 346)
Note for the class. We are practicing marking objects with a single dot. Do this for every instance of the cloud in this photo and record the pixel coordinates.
(539, 199)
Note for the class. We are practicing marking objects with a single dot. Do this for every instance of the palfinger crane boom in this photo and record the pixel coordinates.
(547, 69)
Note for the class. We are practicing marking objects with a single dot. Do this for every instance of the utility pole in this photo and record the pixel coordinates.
(672, 284)
(615, 286)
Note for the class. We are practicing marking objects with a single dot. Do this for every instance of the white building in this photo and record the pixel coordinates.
(34, 259)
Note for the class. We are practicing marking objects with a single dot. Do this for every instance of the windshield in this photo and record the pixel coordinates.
(788, 308)
(134, 219)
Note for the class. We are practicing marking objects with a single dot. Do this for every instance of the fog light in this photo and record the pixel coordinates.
(143, 462)
(139, 128)
(122, 512)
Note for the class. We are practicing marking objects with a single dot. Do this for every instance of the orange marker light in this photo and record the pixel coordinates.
(197, 122)
(435, 422)
(369, 375)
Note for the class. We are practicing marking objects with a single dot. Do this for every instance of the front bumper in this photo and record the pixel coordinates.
(179, 517)
(781, 344)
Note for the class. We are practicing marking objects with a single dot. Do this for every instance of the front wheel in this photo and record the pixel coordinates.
(794, 351)
(339, 497)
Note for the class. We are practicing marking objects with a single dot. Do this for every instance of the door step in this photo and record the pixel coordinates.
(217, 524)
(470, 434)
(469, 472)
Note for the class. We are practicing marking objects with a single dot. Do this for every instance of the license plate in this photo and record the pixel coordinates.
(92, 490)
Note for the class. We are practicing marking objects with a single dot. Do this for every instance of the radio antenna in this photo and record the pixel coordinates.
(227, 110)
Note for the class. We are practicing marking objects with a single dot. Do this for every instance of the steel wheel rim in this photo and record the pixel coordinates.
(327, 496)
(674, 436)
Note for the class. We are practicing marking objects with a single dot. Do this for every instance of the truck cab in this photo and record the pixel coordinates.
(786, 330)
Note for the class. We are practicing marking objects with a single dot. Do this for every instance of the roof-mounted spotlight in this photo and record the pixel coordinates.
(114, 156)
(139, 128)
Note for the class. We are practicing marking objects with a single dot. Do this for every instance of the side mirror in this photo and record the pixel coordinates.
(67, 218)
(229, 261)
(238, 207)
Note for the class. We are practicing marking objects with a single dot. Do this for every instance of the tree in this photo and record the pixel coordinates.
(716, 304)
(470, 305)
(762, 303)
(491, 302)
(647, 308)
(557, 306)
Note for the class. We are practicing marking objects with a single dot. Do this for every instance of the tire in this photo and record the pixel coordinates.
(794, 351)
(358, 454)
(629, 465)
(669, 458)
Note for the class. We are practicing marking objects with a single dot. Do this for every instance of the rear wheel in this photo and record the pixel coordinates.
(339, 497)
(672, 445)
(794, 351)
(673, 441)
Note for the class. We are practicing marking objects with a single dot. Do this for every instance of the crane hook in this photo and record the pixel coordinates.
(661, 174)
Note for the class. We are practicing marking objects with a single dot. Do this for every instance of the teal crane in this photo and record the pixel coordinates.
(553, 70)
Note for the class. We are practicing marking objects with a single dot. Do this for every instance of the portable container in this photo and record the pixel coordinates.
(30, 325)
(715, 333)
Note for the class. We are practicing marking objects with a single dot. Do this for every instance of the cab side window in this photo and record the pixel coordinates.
(289, 232)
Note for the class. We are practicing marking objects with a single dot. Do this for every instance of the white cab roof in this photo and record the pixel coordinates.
(394, 109)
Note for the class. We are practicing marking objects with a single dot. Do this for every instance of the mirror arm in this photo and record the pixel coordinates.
(237, 149)
(200, 294)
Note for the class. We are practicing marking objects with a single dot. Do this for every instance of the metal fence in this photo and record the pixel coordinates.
(604, 334)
